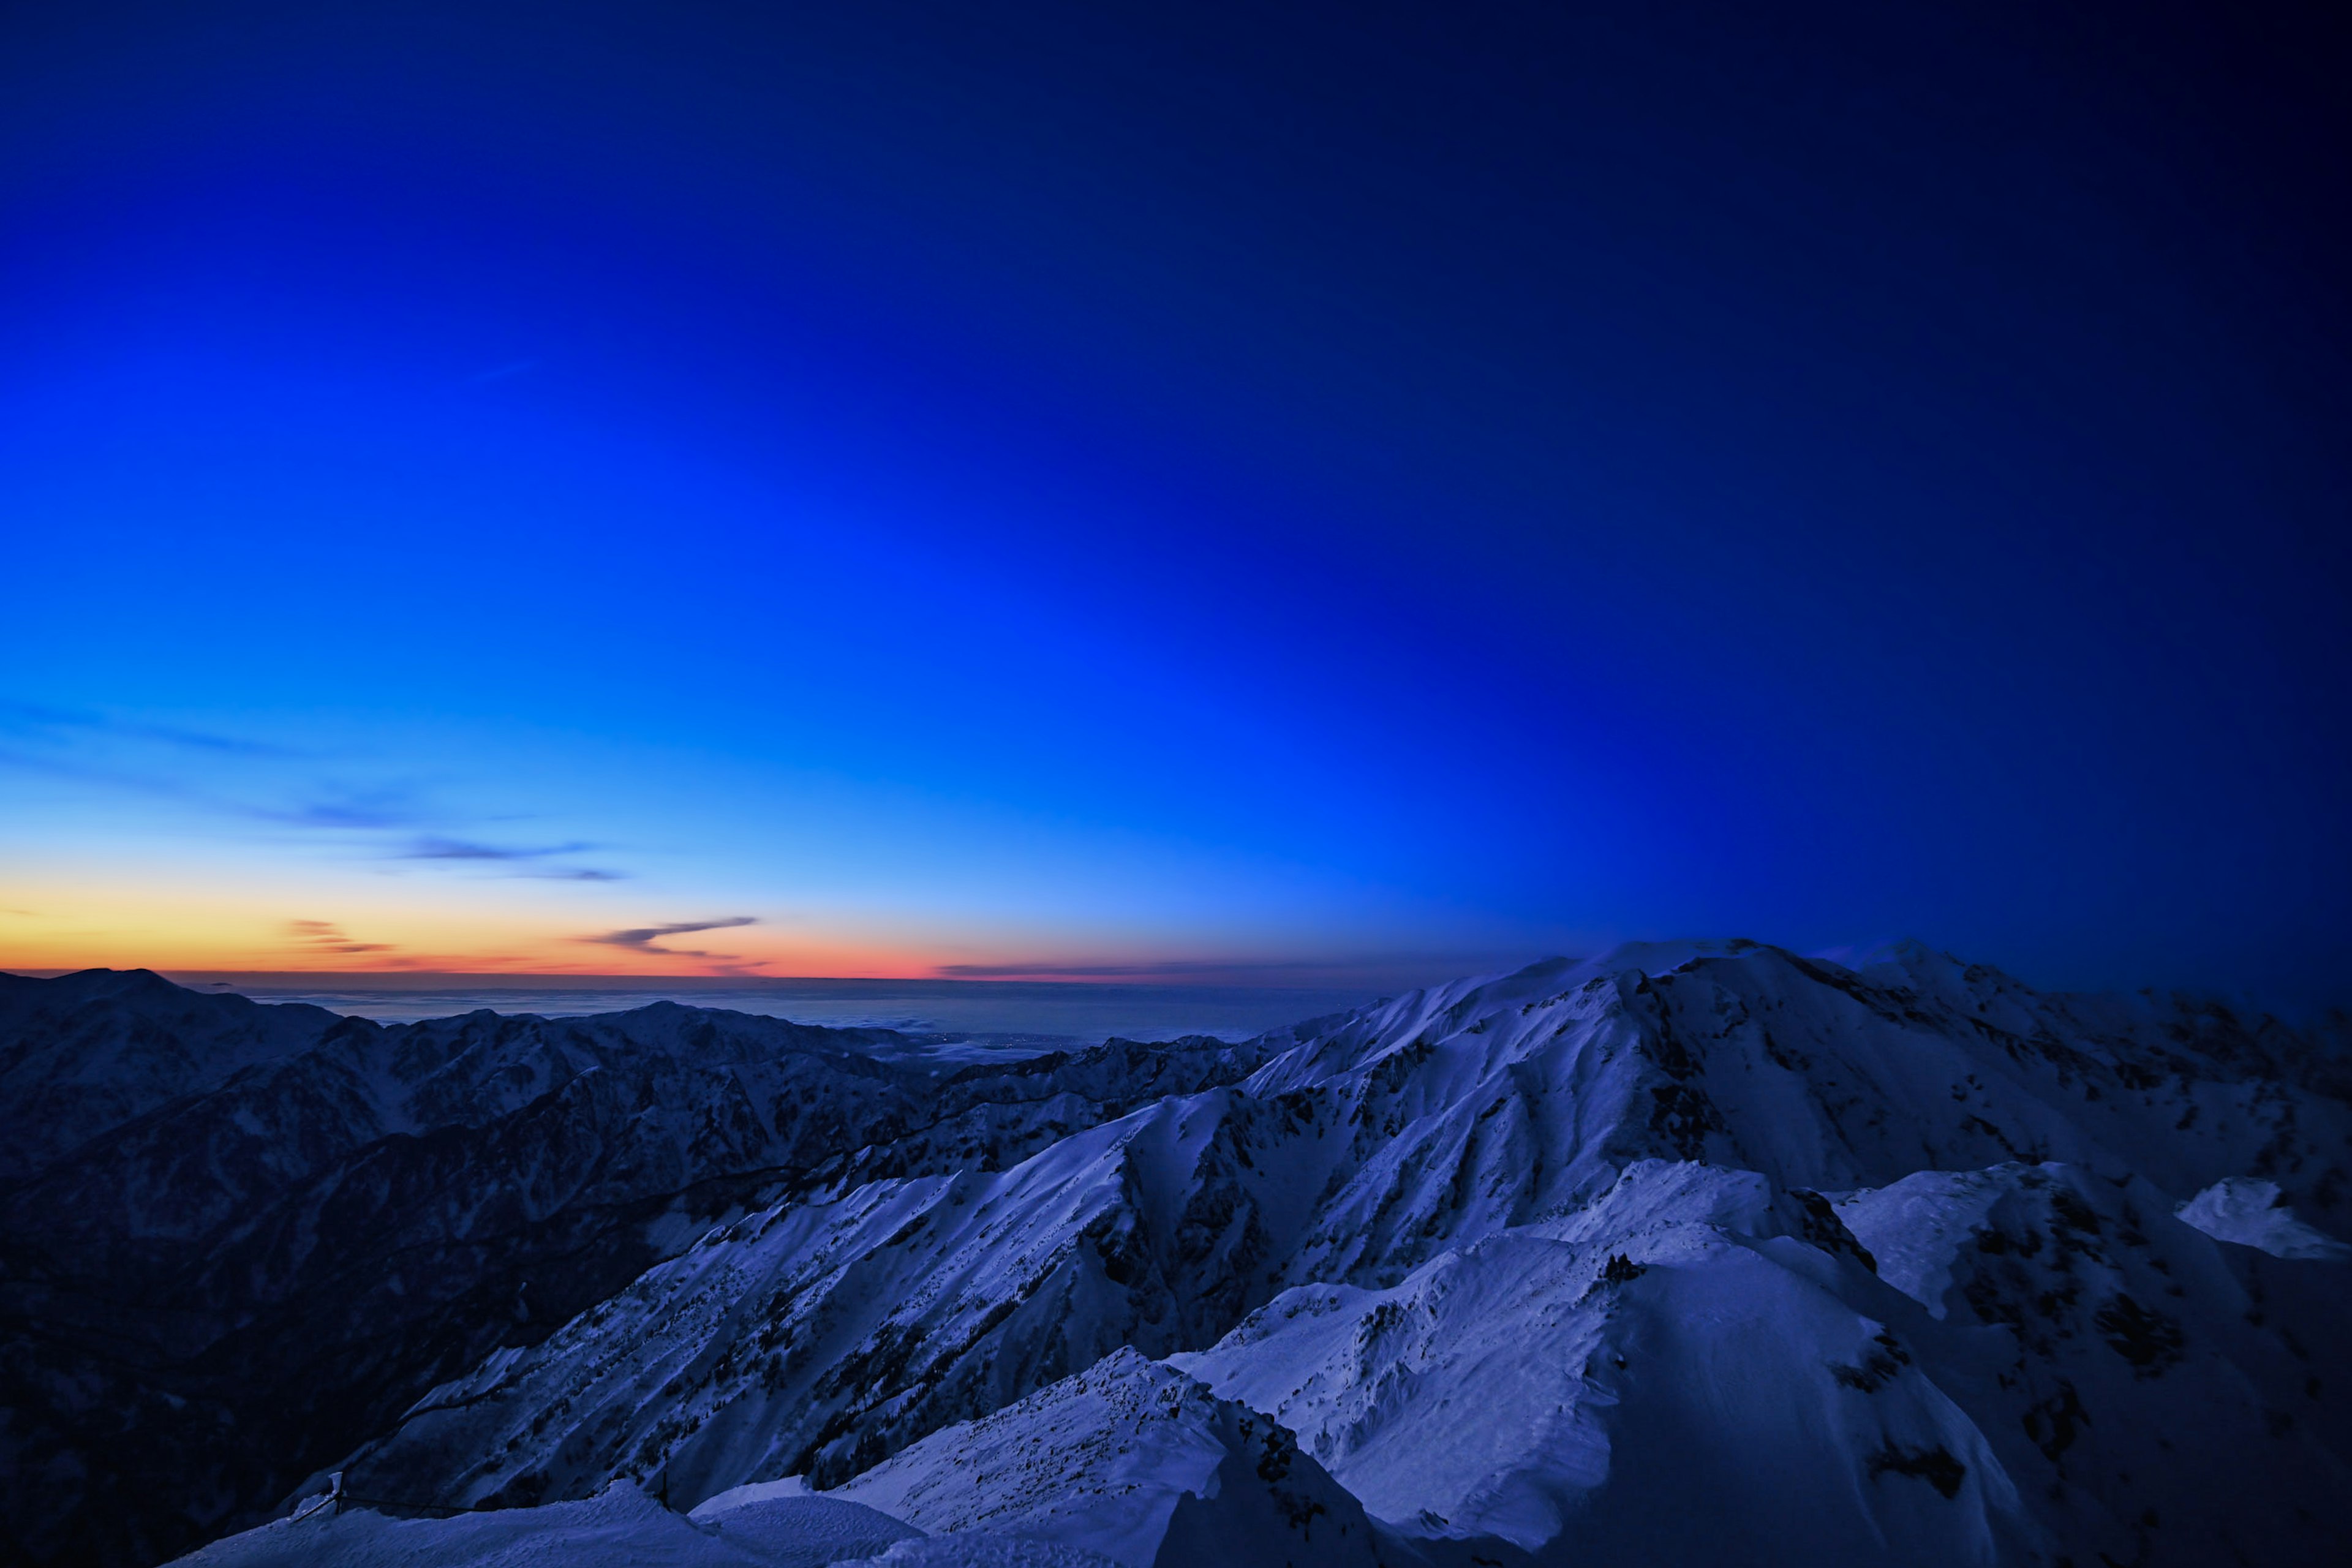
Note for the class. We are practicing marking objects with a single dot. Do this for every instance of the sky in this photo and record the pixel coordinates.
(1112, 490)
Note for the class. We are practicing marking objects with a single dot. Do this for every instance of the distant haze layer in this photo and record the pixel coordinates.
(1010, 1011)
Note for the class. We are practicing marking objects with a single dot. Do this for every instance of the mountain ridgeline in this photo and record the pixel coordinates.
(238, 1240)
(1693, 1254)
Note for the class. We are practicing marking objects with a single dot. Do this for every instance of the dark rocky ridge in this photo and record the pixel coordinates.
(236, 1240)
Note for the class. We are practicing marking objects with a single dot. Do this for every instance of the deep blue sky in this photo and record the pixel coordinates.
(1059, 486)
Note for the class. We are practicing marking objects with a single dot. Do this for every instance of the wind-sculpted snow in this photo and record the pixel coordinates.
(2255, 1213)
(1693, 1368)
(284, 1227)
(1697, 1368)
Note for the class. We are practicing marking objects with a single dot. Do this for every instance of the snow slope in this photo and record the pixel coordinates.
(2163, 1396)
(2255, 1213)
(621, 1528)
(1135, 1461)
(820, 1337)
(1695, 1366)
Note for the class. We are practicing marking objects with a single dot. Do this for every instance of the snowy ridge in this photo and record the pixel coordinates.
(1683, 1253)
(822, 1337)
(1672, 1253)
(290, 1225)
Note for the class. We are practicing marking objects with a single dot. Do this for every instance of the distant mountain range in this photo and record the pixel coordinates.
(1693, 1254)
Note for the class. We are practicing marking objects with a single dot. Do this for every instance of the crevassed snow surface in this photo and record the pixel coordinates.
(1690, 1254)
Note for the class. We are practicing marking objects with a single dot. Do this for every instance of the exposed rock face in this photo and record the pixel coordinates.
(92, 1051)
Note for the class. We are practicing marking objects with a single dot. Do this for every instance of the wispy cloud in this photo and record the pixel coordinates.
(35, 715)
(364, 810)
(328, 804)
(526, 858)
(256, 782)
(643, 938)
(326, 936)
(435, 848)
(144, 783)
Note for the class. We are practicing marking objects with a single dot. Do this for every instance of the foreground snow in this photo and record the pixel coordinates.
(1138, 1462)
(624, 1529)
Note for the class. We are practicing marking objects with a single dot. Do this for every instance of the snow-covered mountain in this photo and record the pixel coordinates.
(1700, 1253)
(241, 1239)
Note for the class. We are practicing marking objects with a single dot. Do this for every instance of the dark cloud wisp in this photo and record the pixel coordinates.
(643, 938)
(431, 847)
(35, 715)
(326, 936)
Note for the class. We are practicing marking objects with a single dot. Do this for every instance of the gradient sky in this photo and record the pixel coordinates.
(911, 488)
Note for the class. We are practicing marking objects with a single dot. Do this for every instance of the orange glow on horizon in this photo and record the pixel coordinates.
(194, 929)
(20, 955)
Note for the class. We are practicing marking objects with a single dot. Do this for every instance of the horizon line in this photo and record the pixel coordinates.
(1301, 977)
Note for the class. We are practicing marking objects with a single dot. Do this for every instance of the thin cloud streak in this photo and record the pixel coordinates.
(372, 810)
(37, 716)
(326, 936)
(436, 848)
(642, 938)
(46, 739)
